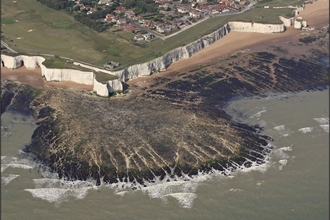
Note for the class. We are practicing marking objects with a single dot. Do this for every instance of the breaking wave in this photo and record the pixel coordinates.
(8, 179)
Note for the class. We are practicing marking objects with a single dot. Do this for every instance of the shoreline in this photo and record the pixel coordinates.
(198, 95)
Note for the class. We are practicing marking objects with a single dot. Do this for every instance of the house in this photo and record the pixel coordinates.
(121, 21)
(165, 6)
(163, 28)
(195, 14)
(140, 19)
(202, 7)
(101, 2)
(149, 24)
(129, 28)
(178, 22)
(219, 8)
(129, 14)
(182, 10)
(110, 18)
(139, 37)
(148, 36)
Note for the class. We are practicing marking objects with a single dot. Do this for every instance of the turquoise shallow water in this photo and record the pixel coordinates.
(293, 185)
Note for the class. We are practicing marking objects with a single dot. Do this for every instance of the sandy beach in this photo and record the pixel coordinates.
(316, 15)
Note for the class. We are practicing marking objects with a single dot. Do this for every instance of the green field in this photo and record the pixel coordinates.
(60, 63)
(30, 27)
(275, 3)
(7, 20)
(104, 77)
(265, 15)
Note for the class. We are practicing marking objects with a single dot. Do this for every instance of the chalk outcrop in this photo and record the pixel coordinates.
(106, 89)
(161, 63)
(287, 21)
(256, 27)
(61, 75)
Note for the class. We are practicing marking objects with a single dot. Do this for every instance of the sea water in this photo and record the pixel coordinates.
(294, 184)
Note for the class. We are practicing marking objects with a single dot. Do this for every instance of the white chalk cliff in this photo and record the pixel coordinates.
(144, 69)
(51, 74)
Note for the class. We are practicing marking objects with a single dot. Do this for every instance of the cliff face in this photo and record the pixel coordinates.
(108, 88)
(144, 69)
(287, 21)
(32, 62)
(256, 27)
(67, 75)
(161, 63)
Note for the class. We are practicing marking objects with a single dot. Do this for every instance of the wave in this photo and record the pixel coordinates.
(258, 114)
(306, 130)
(8, 179)
(324, 123)
(185, 199)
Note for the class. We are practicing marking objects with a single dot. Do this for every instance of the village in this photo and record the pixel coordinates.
(171, 16)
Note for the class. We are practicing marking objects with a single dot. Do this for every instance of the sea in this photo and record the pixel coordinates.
(292, 184)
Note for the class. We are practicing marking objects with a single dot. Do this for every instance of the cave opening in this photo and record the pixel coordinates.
(3, 64)
(22, 63)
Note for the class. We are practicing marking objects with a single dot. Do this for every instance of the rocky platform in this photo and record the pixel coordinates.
(175, 126)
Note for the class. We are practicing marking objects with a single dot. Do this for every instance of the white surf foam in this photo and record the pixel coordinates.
(322, 120)
(22, 166)
(325, 128)
(235, 190)
(8, 179)
(282, 130)
(324, 123)
(185, 200)
(306, 130)
(258, 114)
(279, 128)
(282, 163)
(49, 194)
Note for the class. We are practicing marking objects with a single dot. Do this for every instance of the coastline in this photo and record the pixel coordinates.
(190, 96)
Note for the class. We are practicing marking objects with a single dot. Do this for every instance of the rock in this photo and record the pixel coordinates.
(287, 21)
(297, 25)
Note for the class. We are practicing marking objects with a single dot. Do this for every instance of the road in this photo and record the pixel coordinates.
(192, 24)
